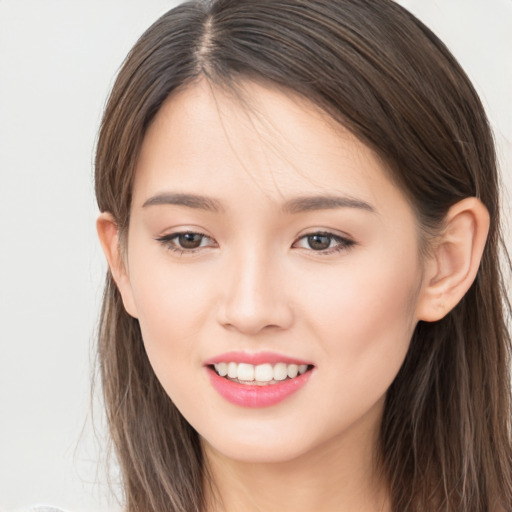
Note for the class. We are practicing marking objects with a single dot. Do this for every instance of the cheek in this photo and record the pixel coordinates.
(168, 297)
(172, 309)
(365, 318)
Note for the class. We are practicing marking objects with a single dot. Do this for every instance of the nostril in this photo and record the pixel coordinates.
(251, 320)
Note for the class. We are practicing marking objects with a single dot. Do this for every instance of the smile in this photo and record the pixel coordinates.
(257, 380)
(261, 374)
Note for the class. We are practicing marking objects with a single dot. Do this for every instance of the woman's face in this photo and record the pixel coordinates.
(268, 240)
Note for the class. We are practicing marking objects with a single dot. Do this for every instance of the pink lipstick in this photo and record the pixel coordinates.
(258, 379)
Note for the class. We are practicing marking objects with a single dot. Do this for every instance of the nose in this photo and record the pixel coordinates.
(254, 296)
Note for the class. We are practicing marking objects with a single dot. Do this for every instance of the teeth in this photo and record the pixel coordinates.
(232, 370)
(222, 369)
(261, 372)
(292, 371)
(280, 371)
(264, 372)
(245, 371)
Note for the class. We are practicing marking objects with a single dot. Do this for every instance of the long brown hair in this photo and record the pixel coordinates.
(445, 442)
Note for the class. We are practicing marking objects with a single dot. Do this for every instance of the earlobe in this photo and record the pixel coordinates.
(108, 234)
(455, 259)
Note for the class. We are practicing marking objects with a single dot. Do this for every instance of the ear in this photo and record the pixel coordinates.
(108, 233)
(451, 269)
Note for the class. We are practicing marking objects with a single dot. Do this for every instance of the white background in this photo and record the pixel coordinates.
(57, 63)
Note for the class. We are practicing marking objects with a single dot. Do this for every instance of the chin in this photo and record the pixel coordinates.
(267, 450)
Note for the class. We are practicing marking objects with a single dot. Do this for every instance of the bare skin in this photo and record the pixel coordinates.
(333, 478)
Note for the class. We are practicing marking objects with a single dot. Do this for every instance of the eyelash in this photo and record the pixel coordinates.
(343, 244)
(169, 242)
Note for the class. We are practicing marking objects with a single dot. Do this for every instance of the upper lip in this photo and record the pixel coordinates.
(254, 358)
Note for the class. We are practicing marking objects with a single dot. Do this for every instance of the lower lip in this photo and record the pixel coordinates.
(247, 395)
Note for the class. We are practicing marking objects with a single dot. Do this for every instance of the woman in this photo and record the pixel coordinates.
(304, 308)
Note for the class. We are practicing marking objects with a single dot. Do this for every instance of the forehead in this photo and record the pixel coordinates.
(266, 142)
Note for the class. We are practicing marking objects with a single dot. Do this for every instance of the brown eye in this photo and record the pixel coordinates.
(186, 242)
(189, 240)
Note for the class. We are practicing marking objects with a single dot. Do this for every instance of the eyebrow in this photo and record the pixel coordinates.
(308, 203)
(188, 200)
(295, 205)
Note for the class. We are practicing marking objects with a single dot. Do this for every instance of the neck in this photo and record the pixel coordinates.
(338, 475)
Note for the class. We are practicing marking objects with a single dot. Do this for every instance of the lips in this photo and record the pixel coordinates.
(258, 379)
